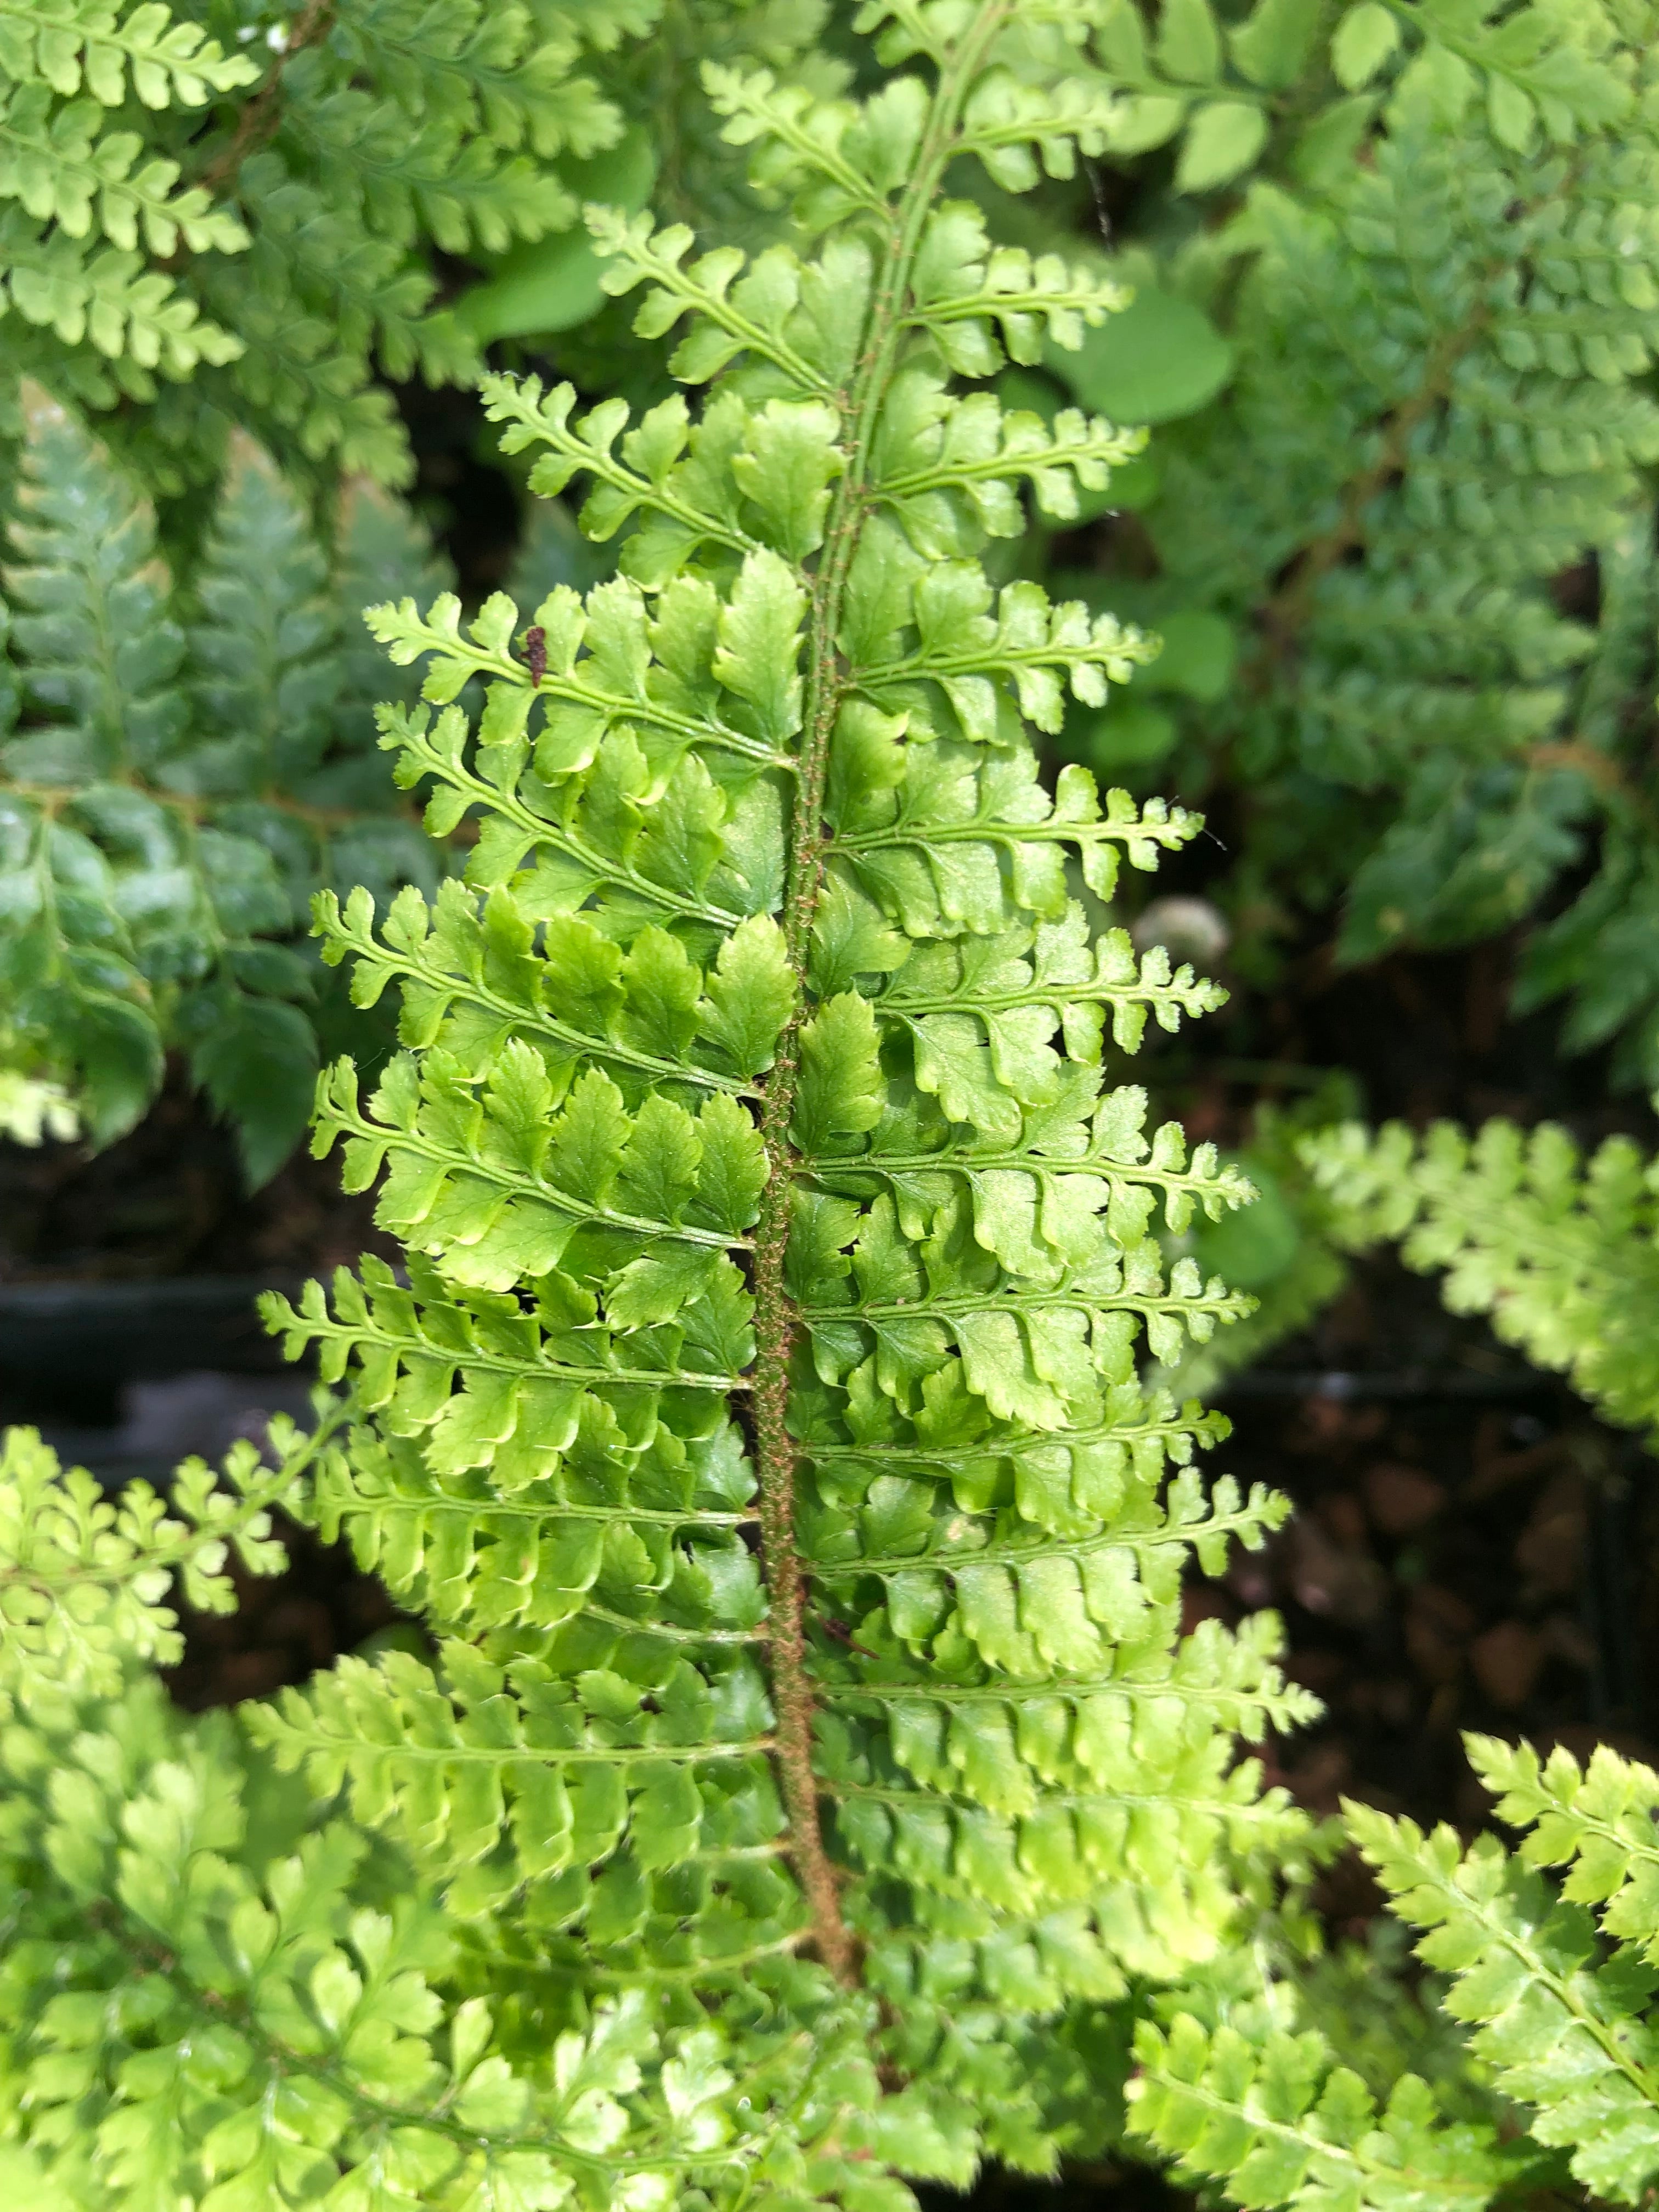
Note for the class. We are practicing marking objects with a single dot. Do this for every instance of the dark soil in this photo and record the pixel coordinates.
(168, 1199)
(1480, 1561)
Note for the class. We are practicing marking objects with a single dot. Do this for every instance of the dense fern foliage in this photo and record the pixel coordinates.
(1553, 1980)
(804, 1752)
(546, 294)
(223, 224)
(1405, 559)
(183, 763)
(231, 212)
(795, 1781)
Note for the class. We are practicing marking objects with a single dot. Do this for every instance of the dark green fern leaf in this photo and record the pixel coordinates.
(185, 765)
(213, 216)
(1420, 504)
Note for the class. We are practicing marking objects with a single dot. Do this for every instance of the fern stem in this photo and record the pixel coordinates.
(1217, 1808)
(262, 117)
(508, 1509)
(669, 1634)
(775, 1318)
(1568, 1990)
(543, 1023)
(628, 1755)
(834, 1172)
(1286, 613)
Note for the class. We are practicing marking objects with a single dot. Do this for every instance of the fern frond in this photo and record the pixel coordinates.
(1277, 2124)
(503, 72)
(1563, 2024)
(263, 655)
(1559, 1252)
(69, 172)
(84, 1578)
(765, 1020)
(754, 1418)
(73, 45)
(260, 226)
(1596, 1821)
(252, 2007)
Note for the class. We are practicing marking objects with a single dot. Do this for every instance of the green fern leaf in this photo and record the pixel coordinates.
(185, 767)
(1280, 2125)
(1557, 1251)
(1562, 2024)
(257, 229)
(1436, 330)
(82, 1580)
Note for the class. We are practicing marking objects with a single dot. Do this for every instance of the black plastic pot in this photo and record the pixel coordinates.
(127, 1378)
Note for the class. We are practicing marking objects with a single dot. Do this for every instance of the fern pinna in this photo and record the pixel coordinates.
(806, 1749)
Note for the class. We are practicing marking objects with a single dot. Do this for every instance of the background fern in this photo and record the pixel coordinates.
(1404, 558)
(182, 764)
(238, 215)
(1558, 1251)
(226, 224)
(230, 214)
(1554, 1981)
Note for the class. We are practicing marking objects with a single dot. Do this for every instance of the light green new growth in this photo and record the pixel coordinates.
(806, 1745)
(83, 1579)
(183, 761)
(1554, 1984)
(1558, 1252)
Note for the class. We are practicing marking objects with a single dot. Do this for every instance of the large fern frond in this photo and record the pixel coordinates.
(754, 1419)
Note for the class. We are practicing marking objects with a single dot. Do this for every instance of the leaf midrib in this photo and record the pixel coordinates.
(776, 1320)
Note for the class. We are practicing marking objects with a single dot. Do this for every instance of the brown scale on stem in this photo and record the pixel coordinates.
(259, 121)
(776, 1324)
